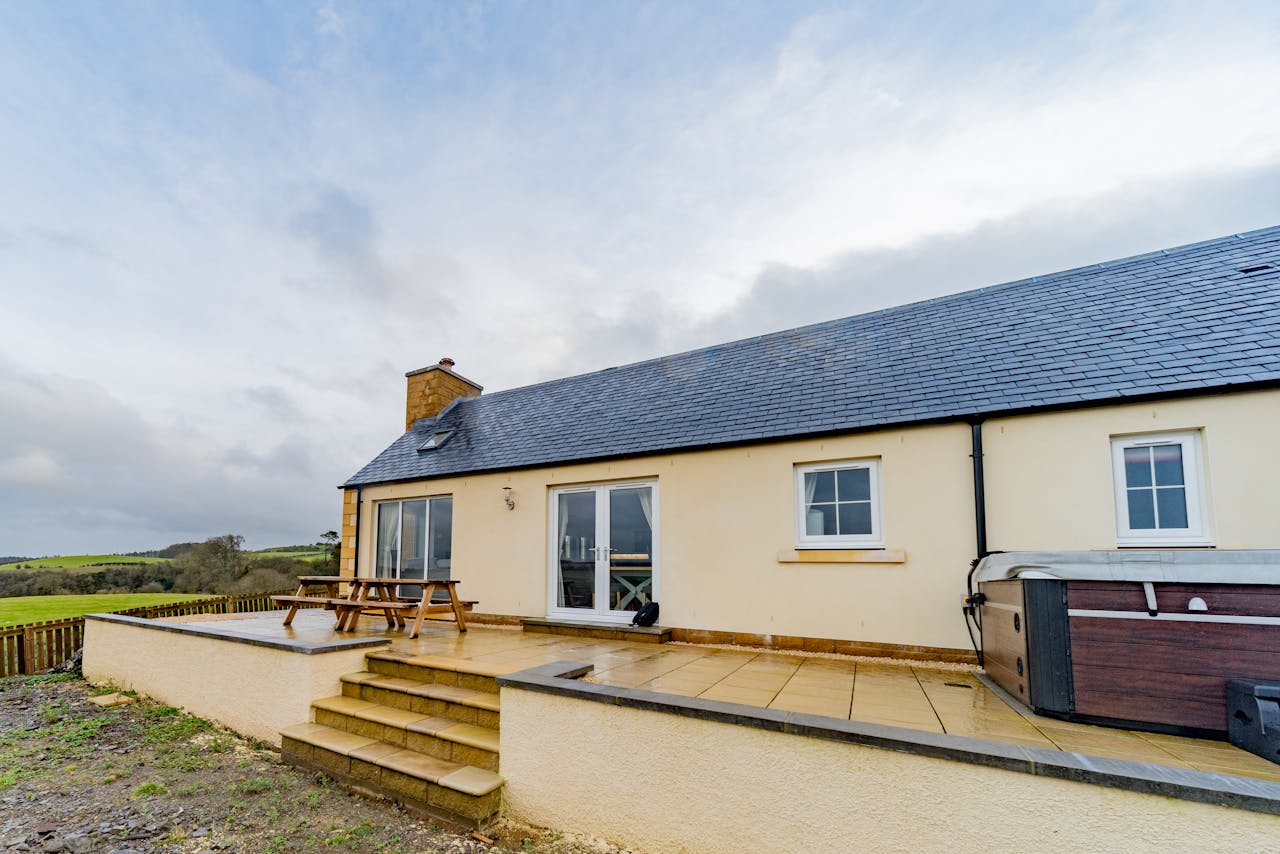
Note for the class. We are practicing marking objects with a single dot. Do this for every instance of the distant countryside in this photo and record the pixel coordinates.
(77, 561)
(35, 589)
(17, 610)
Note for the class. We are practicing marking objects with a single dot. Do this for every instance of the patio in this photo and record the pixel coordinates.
(941, 699)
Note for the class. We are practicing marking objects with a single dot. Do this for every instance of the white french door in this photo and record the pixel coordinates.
(604, 551)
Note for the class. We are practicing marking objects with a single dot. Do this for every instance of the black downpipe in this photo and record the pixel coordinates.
(974, 600)
(979, 492)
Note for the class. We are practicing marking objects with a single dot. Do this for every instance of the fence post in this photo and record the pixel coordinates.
(27, 666)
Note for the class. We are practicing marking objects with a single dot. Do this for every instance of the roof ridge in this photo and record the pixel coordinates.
(1039, 279)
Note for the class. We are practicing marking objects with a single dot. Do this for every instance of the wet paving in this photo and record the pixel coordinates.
(941, 699)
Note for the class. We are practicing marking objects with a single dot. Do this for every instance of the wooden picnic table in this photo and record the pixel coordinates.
(374, 595)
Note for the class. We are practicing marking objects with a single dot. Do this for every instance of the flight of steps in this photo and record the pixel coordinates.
(422, 732)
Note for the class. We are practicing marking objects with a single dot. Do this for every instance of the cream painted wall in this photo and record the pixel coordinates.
(235, 684)
(723, 517)
(711, 787)
(1049, 478)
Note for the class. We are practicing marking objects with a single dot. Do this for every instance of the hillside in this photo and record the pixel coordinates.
(309, 553)
(78, 561)
(32, 609)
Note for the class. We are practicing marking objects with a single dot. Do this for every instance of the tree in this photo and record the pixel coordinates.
(329, 540)
(213, 566)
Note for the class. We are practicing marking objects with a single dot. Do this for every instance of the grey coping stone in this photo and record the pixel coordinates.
(560, 678)
(213, 631)
(1160, 324)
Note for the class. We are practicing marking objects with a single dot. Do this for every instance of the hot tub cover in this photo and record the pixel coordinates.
(1203, 566)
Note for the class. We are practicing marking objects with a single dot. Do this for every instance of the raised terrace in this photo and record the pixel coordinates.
(948, 699)
(466, 727)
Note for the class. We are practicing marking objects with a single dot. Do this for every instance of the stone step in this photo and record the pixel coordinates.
(458, 672)
(464, 705)
(597, 631)
(440, 788)
(437, 736)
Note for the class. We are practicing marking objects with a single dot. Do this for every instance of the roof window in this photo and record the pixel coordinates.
(436, 440)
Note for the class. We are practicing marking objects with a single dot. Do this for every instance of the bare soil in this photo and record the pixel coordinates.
(75, 777)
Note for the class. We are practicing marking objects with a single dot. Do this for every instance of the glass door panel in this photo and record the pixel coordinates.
(630, 547)
(576, 550)
(387, 559)
(413, 545)
(440, 542)
(414, 541)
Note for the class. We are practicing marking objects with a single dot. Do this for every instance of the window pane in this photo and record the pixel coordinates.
(387, 558)
(820, 520)
(413, 538)
(631, 542)
(576, 518)
(819, 486)
(1172, 503)
(1142, 512)
(855, 518)
(1168, 465)
(1137, 467)
(853, 484)
(440, 555)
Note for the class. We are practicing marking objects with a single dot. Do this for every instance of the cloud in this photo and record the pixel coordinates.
(32, 468)
(328, 21)
(341, 231)
(214, 272)
(273, 401)
(84, 471)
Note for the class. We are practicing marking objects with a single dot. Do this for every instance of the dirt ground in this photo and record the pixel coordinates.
(75, 777)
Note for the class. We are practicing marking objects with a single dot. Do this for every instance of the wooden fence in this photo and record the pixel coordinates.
(36, 647)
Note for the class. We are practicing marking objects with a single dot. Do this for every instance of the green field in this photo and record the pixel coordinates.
(311, 555)
(79, 561)
(34, 609)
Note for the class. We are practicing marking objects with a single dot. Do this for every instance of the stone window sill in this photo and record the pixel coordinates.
(842, 556)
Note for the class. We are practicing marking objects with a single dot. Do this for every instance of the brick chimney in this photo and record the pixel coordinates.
(433, 388)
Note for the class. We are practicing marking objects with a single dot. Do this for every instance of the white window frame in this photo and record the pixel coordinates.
(400, 502)
(874, 540)
(603, 615)
(1197, 531)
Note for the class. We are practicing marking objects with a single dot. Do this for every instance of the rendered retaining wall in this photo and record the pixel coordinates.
(664, 781)
(250, 685)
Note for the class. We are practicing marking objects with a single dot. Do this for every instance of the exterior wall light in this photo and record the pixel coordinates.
(506, 496)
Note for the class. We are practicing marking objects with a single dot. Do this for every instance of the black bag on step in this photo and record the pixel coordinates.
(647, 615)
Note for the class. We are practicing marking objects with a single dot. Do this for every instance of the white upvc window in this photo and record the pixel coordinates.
(1160, 499)
(414, 538)
(838, 505)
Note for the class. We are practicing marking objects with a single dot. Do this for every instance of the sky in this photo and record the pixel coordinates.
(227, 230)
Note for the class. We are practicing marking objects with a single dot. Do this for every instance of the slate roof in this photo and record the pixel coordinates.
(1172, 322)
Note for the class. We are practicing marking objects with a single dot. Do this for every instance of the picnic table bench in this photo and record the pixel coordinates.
(377, 595)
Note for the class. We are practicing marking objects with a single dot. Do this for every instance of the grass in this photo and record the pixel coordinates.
(312, 555)
(79, 561)
(33, 609)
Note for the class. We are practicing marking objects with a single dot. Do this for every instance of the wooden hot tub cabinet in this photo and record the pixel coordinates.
(1092, 650)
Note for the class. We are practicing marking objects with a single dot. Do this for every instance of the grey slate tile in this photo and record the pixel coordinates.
(1173, 321)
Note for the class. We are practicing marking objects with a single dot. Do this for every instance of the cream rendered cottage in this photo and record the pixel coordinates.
(828, 487)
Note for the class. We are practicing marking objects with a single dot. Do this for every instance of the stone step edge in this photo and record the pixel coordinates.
(441, 733)
(477, 699)
(439, 662)
(314, 735)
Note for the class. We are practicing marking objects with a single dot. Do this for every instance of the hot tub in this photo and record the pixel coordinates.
(1140, 639)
